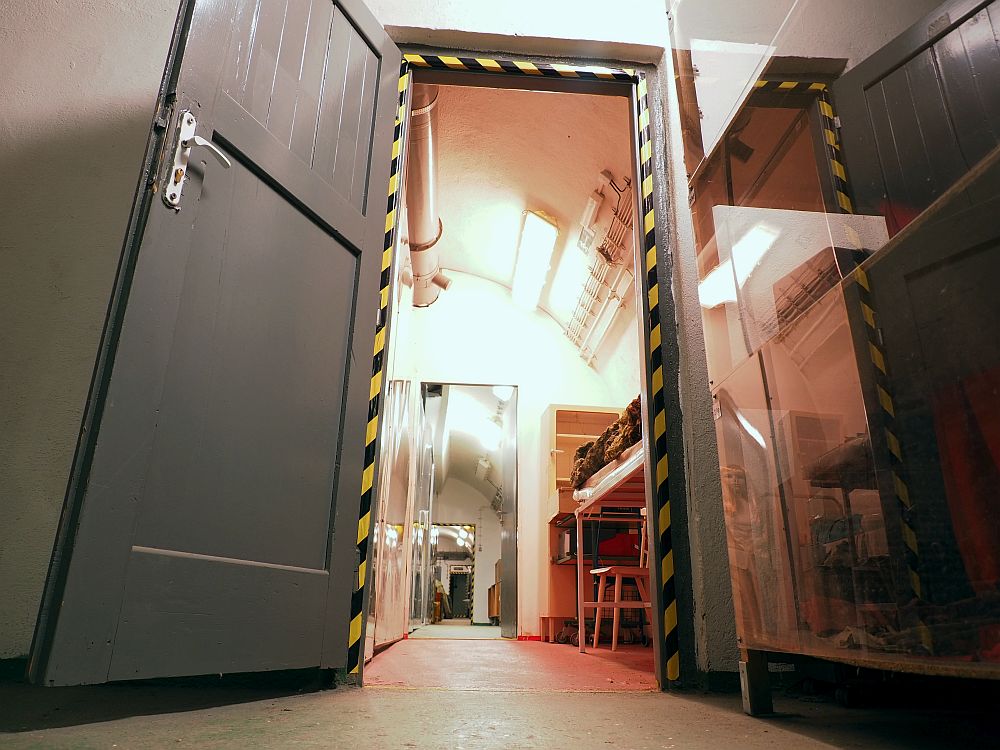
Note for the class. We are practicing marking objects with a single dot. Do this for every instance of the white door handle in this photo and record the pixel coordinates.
(177, 172)
(197, 140)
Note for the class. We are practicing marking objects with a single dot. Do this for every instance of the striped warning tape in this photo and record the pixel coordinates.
(829, 126)
(521, 68)
(668, 600)
(668, 593)
(374, 394)
(883, 385)
(883, 389)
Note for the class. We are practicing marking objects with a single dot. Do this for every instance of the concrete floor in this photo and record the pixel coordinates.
(511, 666)
(523, 703)
(371, 718)
(462, 630)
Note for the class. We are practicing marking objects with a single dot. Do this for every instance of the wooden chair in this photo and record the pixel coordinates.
(639, 573)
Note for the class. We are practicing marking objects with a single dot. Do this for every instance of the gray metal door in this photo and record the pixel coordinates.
(211, 519)
(508, 524)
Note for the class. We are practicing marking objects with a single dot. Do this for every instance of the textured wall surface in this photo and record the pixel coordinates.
(78, 83)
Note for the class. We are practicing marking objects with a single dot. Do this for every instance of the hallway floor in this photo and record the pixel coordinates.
(509, 665)
(208, 717)
(461, 630)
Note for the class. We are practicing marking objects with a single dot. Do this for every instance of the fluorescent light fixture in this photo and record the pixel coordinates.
(718, 286)
(752, 431)
(750, 248)
(534, 256)
(503, 392)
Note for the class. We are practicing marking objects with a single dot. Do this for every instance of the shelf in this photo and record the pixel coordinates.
(575, 436)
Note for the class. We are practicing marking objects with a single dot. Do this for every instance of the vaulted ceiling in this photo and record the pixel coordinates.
(502, 152)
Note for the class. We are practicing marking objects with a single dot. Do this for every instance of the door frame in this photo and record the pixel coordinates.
(666, 503)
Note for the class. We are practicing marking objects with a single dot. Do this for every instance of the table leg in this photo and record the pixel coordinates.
(755, 683)
(597, 614)
(580, 586)
(617, 617)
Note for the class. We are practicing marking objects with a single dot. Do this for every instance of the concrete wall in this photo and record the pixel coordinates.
(78, 83)
(582, 28)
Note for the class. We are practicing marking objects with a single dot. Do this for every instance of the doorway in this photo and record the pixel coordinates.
(517, 264)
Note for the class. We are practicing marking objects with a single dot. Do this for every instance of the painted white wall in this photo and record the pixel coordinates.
(619, 357)
(634, 30)
(78, 83)
(462, 503)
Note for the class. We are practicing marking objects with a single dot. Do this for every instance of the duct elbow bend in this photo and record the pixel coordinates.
(441, 280)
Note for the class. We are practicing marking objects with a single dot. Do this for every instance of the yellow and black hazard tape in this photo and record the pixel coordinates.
(521, 68)
(831, 139)
(897, 467)
(374, 395)
(668, 599)
(668, 593)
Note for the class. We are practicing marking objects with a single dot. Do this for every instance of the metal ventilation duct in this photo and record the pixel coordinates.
(421, 198)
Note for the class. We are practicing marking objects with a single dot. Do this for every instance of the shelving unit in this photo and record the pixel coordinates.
(564, 429)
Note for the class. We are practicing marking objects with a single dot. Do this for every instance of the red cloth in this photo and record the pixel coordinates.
(967, 422)
(620, 545)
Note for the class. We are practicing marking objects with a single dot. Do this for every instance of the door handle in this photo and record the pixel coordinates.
(197, 140)
(177, 171)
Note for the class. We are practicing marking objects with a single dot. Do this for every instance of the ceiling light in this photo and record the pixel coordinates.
(462, 533)
(534, 255)
(490, 435)
(503, 392)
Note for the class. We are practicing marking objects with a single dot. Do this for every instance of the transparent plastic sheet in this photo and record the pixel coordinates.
(844, 176)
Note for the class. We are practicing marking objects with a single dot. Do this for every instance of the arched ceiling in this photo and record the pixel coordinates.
(468, 409)
(504, 151)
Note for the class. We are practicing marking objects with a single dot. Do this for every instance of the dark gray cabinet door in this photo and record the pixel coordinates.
(211, 520)
(923, 110)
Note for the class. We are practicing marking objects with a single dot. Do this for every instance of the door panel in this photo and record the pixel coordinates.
(212, 516)
(227, 610)
(251, 408)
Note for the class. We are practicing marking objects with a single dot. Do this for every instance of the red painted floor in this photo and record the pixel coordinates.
(503, 665)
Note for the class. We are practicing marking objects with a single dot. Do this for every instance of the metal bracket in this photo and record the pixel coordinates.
(185, 140)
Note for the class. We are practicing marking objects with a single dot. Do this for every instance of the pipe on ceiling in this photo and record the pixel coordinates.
(423, 218)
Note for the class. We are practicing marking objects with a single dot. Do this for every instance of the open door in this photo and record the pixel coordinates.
(211, 518)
